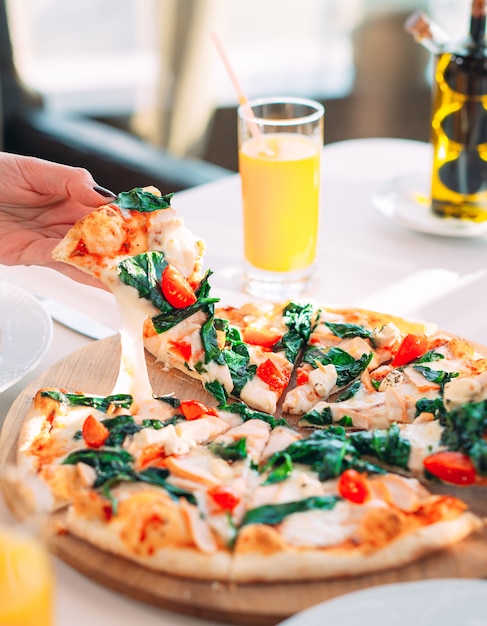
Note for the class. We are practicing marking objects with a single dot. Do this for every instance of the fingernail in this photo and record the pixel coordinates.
(106, 193)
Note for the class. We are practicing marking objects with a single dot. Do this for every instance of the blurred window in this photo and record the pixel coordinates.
(152, 62)
(93, 56)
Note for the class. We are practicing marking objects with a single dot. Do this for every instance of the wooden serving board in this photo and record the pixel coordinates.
(93, 370)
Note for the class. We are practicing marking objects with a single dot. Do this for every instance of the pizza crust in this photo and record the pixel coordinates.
(271, 562)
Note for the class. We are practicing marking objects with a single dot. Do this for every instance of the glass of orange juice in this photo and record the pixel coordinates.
(26, 574)
(280, 141)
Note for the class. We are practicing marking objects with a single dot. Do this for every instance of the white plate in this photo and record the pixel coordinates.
(406, 201)
(25, 333)
(445, 602)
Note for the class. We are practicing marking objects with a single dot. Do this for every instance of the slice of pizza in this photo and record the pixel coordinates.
(75, 441)
(137, 221)
(369, 370)
(139, 247)
(247, 352)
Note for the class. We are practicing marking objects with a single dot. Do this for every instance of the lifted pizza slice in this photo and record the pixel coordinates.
(140, 249)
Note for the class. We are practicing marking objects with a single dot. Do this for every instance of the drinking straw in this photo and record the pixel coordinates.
(242, 98)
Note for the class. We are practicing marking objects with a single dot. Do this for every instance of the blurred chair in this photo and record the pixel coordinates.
(117, 159)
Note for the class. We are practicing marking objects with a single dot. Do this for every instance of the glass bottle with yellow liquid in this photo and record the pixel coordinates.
(459, 125)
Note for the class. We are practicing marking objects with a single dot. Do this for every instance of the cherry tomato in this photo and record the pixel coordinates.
(412, 347)
(302, 376)
(261, 337)
(224, 497)
(94, 432)
(176, 289)
(452, 467)
(273, 375)
(183, 348)
(193, 409)
(153, 455)
(352, 485)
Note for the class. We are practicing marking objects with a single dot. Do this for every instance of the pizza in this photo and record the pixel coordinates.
(314, 453)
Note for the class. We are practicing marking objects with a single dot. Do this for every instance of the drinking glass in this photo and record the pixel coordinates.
(26, 574)
(280, 141)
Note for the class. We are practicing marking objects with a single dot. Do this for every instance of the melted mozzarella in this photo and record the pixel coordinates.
(296, 487)
(168, 233)
(319, 528)
(133, 377)
(66, 425)
(424, 438)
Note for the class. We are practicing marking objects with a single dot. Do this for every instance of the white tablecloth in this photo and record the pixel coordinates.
(365, 259)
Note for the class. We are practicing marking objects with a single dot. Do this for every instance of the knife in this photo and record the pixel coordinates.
(73, 319)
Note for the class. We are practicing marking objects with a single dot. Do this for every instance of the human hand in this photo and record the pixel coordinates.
(39, 202)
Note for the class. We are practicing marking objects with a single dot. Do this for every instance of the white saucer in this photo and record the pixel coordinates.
(406, 201)
(444, 602)
(25, 333)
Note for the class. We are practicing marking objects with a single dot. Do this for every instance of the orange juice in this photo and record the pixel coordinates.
(280, 186)
(26, 581)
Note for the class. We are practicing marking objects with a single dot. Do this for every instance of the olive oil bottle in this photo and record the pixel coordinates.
(459, 125)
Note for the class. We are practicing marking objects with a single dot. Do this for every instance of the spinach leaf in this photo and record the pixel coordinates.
(115, 466)
(237, 357)
(349, 330)
(346, 366)
(241, 372)
(349, 391)
(317, 418)
(209, 340)
(235, 451)
(281, 469)
(464, 430)
(217, 390)
(297, 318)
(387, 445)
(143, 201)
(107, 463)
(272, 514)
(436, 376)
(123, 426)
(426, 405)
(246, 413)
(157, 476)
(143, 272)
(328, 452)
(155, 423)
(101, 403)
(169, 399)
(429, 356)
(120, 427)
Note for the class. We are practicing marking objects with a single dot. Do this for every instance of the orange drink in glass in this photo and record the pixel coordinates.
(26, 579)
(280, 143)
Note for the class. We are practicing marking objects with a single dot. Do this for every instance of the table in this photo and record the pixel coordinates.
(365, 259)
